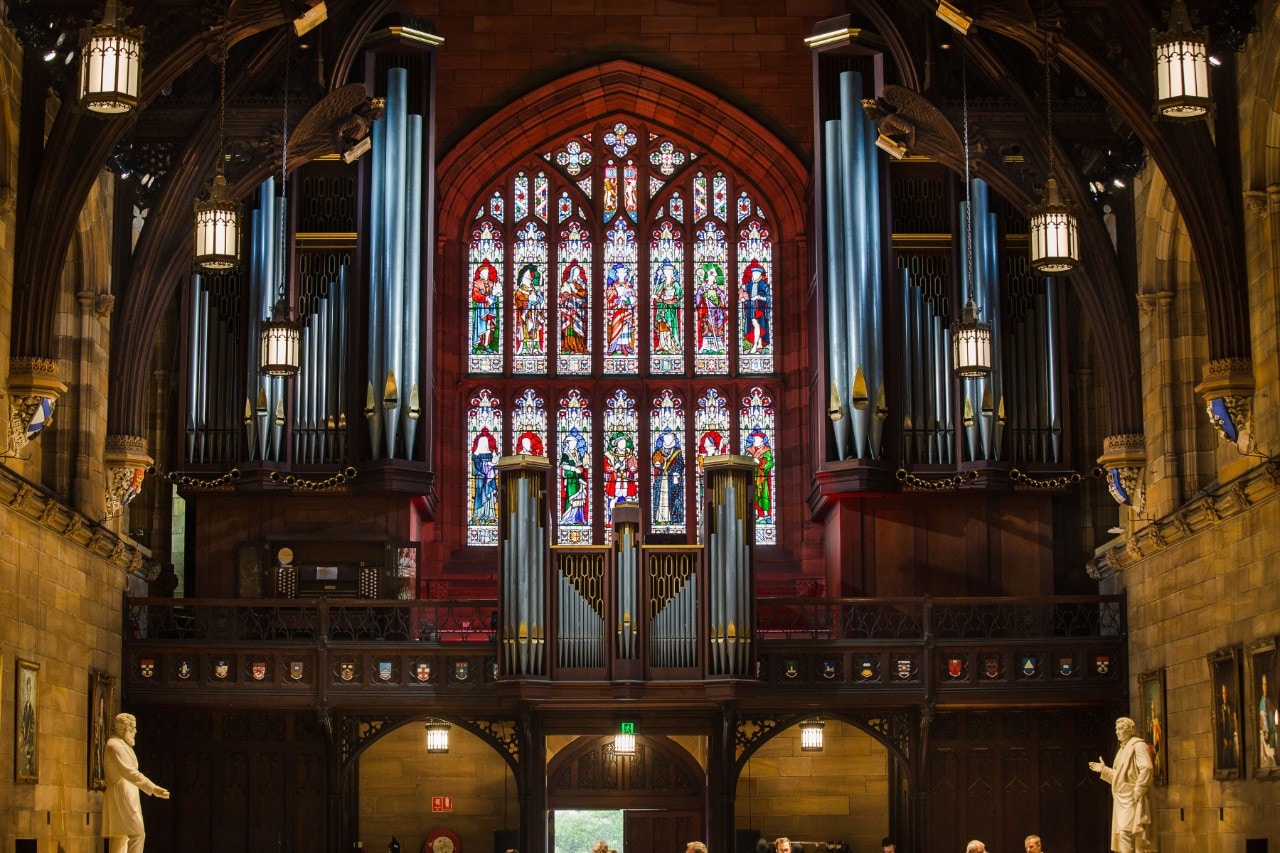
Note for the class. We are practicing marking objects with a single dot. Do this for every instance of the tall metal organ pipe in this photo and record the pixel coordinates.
(856, 282)
(395, 271)
(837, 340)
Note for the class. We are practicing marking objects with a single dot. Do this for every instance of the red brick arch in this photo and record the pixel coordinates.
(622, 87)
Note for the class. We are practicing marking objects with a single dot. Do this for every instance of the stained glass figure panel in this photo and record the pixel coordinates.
(755, 295)
(485, 302)
(529, 302)
(711, 305)
(529, 425)
(711, 432)
(666, 300)
(573, 308)
(621, 459)
(609, 190)
(573, 475)
(756, 426)
(484, 438)
(621, 301)
(667, 464)
(631, 190)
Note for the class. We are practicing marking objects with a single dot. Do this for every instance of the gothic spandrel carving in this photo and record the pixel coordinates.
(750, 730)
(502, 734)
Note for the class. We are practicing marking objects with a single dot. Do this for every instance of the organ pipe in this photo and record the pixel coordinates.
(730, 585)
(522, 542)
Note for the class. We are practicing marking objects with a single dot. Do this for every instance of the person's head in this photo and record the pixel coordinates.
(600, 847)
(695, 847)
(782, 845)
(1125, 729)
(1224, 693)
(887, 845)
(125, 727)
(975, 846)
(1263, 691)
(1032, 843)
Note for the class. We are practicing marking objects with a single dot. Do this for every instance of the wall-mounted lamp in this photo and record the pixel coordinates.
(811, 735)
(437, 736)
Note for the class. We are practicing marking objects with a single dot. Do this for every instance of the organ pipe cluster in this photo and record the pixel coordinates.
(580, 623)
(264, 401)
(854, 300)
(730, 535)
(320, 419)
(214, 344)
(626, 544)
(982, 399)
(392, 399)
(673, 608)
(928, 420)
(522, 543)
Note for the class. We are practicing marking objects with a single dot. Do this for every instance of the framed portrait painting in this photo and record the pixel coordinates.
(26, 721)
(102, 690)
(1152, 716)
(1262, 708)
(1228, 737)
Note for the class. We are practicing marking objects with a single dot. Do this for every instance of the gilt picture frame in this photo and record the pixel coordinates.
(1262, 709)
(1151, 695)
(1224, 710)
(102, 691)
(26, 721)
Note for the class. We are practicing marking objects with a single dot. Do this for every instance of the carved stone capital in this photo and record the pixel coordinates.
(127, 462)
(1124, 457)
(34, 389)
(1227, 389)
(1255, 203)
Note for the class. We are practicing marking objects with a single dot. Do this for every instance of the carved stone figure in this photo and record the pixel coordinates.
(1130, 778)
(121, 808)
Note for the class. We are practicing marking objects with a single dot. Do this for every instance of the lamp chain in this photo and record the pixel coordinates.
(222, 92)
(1048, 95)
(284, 173)
(968, 191)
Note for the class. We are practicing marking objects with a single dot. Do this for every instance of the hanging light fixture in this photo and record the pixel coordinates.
(624, 742)
(218, 216)
(1182, 68)
(970, 337)
(437, 736)
(110, 64)
(280, 351)
(1054, 248)
(811, 735)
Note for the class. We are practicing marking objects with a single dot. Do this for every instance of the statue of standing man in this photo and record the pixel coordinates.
(121, 808)
(1130, 778)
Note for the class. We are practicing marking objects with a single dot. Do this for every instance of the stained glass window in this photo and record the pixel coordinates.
(711, 306)
(574, 303)
(573, 477)
(484, 438)
(529, 302)
(485, 311)
(621, 464)
(666, 301)
(629, 296)
(755, 332)
(711, 432)
(666, 462)
(756, 425)
(529, 425)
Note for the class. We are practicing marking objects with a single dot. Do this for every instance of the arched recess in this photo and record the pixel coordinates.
(661, 775)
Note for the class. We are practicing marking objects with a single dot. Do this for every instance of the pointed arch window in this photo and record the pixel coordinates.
(621, 302)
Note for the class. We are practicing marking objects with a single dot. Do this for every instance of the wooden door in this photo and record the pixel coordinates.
(660, 831)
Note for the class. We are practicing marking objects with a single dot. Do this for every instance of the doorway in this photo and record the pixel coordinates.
(630, 831)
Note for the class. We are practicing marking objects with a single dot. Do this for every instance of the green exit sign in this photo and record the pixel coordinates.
(627, 728)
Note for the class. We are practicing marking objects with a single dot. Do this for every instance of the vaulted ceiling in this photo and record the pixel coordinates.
(1099, 70)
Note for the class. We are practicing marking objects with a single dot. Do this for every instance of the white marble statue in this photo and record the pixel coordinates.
(1130, 776)
(121, 808)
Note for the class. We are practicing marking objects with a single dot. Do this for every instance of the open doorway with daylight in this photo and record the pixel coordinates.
(835, 790)
(652, 799)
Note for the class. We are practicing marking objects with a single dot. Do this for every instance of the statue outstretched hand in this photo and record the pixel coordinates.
(161, 793)
(1098, 766)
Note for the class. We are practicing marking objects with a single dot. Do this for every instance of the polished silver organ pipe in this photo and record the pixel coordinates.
(1051, 366)
(200, 368)
(834, 287)
(947, 440)
(521, 567)
(194, 368)
(413, 285)
(339, 375)
(853, 194)
(393, 253)
(374, 367)
(874, 286)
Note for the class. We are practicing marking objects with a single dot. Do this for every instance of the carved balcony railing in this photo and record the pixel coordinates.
(361, 650)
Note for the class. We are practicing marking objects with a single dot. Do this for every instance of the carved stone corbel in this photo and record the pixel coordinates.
(34, 389)
(1124, 457)
(1256, 203)
(127, 463)
(1227, 389)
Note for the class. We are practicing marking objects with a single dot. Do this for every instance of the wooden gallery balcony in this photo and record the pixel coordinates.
(365, 654)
